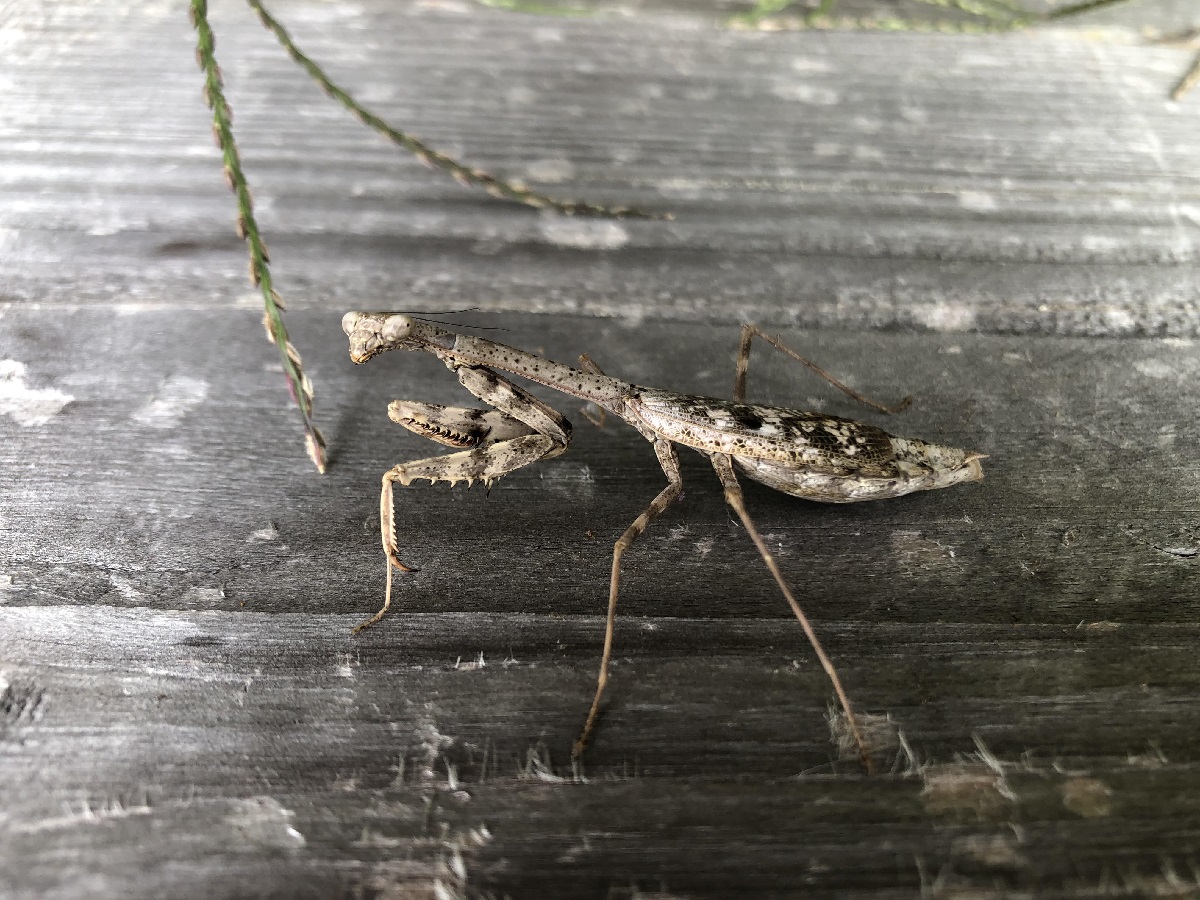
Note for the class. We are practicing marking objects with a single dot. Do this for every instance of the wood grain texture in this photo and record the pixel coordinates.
(183, 711)
(180, 602)
(1022, 183)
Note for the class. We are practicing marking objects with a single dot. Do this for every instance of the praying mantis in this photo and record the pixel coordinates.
(809, 455)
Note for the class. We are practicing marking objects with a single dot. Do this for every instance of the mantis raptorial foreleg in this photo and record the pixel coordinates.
(484, 464)
(455, 426)
(743, 364)
(493, 454)
(670, 465)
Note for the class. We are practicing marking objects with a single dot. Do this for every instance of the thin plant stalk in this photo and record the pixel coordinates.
(1078, 9)
(990, 16)
(260, 273)
(1002, 15)
(465, 175)
(1189, 80)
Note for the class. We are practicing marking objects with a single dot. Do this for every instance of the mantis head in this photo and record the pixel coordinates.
(372, 333)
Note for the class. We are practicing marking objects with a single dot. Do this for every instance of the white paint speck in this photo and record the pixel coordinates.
(944, 316)
(375, 94)
(520, 95)
(448, 6)
(175, 398)
(338, 13)
(584, 234)
(977, 201)
(811, 94)
(262, 823)
(550, 171)
(868, 153)
(685, 188)
(1155, 368)
(270, 533)
(27, 406)
(1100, 243)
(1120, 320)
(808, 64)
(979, 60)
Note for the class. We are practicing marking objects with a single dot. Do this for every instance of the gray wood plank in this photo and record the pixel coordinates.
(178, 660)
(183, 711)
(165, 434)
(1036, 182)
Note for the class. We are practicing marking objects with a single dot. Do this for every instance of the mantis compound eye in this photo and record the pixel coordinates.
(350, 320)
(396, 328)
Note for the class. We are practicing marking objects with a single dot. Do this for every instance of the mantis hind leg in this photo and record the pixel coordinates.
(743, 364)
(670, 465)
(733, 496)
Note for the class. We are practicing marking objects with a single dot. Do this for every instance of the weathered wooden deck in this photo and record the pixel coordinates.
(1003, 226)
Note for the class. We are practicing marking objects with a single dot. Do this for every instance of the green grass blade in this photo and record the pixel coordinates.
(247, 227)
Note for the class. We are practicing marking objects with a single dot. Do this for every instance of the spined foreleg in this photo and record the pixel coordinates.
(457, 426)
(521, 430)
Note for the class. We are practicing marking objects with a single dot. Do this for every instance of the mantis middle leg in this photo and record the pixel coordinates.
(670, 464)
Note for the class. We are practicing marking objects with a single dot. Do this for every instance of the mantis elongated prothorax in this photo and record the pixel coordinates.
(816, 457)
